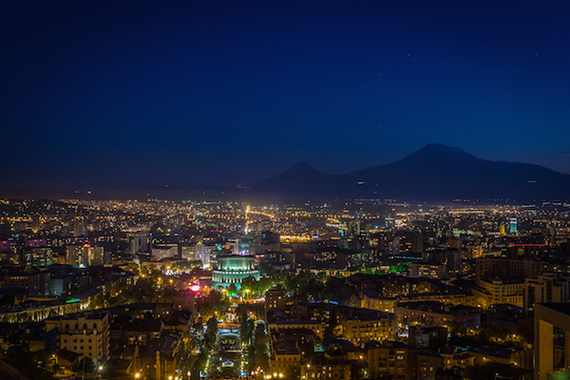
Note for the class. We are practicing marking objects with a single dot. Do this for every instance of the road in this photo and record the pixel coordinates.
(226, 360)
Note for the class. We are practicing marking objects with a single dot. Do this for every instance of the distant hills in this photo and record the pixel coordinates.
(436, 172)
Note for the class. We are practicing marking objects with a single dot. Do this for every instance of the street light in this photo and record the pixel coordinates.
(137, 375)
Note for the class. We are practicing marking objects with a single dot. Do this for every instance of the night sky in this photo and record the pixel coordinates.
(118, 94)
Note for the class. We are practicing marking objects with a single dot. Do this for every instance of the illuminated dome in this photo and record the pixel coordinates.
(233, 269)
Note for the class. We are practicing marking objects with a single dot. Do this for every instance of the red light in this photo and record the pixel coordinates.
(195, 288)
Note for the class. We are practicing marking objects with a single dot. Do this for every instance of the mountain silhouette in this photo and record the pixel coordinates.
(436, 172)
(302, 180)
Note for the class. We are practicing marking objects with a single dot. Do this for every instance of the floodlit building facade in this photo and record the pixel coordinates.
(86, 334)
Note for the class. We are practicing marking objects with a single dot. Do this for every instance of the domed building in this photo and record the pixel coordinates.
(233, 269)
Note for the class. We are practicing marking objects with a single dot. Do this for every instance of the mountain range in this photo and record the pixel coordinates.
(436, 172)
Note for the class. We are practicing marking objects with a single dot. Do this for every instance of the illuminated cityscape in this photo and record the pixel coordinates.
(267, 190)
(186, 289)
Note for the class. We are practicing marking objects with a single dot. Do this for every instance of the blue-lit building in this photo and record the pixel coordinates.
(513, 226)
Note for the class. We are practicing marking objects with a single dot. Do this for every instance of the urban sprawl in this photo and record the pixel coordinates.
(362, 289)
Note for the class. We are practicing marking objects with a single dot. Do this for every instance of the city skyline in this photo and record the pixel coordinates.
(219, 289)
(99, 95)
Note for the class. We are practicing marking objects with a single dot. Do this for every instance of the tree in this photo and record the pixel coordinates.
(213, 302)
(251, 357)
(333, 330)
(184, 266)
(246, 330)
(337, 289)
(261, 354)
(170, 294)
(291, 373)
(211, 331)
(87, 364)
(357, 370)
(133, 267)
(199, 365)
(241, 311)
(98, 301)
(198, 326)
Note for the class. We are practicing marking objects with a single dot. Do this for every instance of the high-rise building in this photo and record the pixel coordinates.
(82, 256)
(513, 225)
(410, 241)
(138, 242)
(202, 254)
(188, 252)
(489, 268)
(79, 227)
(36, 257)
(546, 288)
(452, 258)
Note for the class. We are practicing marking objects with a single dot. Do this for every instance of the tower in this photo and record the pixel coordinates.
(513, 225)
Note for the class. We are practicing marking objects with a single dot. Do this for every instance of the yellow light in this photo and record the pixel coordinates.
(137, 375)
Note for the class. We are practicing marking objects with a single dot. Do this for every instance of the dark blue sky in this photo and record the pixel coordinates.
(96, 94)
